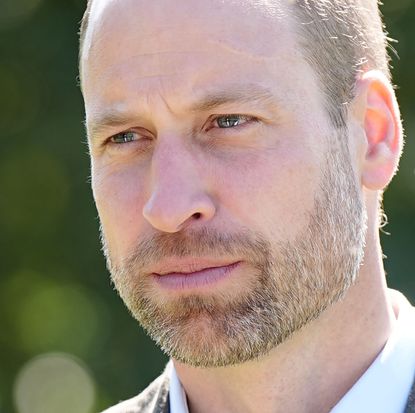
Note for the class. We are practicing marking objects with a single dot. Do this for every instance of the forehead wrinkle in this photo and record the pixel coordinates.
(116, 117)
(152, 64)
(232, 94)
(229, 46)
(159, 28)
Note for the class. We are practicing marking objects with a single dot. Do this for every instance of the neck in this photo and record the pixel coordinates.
(318, 364)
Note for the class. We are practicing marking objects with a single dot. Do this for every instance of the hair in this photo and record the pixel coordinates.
(340, 39)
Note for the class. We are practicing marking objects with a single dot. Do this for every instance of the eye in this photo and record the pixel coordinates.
(231, 121)
(123, 137)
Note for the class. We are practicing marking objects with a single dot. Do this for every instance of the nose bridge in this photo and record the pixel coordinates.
(178, 196)
(172, 165)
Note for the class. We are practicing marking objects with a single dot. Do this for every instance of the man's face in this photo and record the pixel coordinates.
(230, 212)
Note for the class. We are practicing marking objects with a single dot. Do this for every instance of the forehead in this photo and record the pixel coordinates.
(133, 48)
(232, 21)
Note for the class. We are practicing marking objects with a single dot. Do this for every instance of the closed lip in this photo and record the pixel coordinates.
(189, 265)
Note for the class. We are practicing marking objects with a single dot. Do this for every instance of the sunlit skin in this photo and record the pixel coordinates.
(166, 72)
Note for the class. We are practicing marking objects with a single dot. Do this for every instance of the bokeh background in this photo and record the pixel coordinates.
(67, 344)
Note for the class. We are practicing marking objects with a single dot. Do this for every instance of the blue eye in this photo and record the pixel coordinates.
(123, 137)
(230, 121)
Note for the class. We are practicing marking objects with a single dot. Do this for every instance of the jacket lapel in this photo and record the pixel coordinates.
(410, 406)
(161, 398)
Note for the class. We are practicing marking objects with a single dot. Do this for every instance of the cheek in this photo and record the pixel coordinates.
(273, 191)
(119, 198)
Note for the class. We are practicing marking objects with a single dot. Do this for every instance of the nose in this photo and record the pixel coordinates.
(178, 197)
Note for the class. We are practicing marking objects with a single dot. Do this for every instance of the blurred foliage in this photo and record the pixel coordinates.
(55, 295)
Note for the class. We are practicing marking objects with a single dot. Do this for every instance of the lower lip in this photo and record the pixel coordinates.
(197, 279)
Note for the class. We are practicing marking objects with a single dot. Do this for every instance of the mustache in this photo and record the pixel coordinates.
(205, 242)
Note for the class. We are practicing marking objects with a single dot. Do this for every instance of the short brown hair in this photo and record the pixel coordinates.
(339, 39)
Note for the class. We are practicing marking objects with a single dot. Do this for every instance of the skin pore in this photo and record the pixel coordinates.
(165, 173)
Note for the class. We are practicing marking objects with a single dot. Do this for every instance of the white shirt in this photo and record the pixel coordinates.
(385, 385)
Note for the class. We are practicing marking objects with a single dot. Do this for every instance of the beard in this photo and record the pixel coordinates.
(289, 285)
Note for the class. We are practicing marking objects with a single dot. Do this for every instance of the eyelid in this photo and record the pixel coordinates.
(140, 132)
(247, 118)
(111, 138)
(145, 134)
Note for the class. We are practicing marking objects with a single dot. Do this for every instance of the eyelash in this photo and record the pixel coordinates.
(235, 116)
(120, 134)
(140, 145)
(246, 118)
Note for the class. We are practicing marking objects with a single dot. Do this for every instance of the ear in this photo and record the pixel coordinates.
(377, 111)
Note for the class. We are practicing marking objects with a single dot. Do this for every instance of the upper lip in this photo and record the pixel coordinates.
(189, 265)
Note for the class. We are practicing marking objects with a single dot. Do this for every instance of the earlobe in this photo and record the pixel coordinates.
(381, 121)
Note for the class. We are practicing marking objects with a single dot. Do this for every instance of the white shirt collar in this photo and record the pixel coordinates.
(385, 385)
(178, 402)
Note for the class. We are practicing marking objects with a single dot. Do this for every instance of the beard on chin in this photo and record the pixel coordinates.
(289, 283)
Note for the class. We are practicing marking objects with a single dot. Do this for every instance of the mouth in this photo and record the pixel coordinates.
(193, 275)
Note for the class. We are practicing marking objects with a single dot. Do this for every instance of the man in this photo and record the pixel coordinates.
(239, 152)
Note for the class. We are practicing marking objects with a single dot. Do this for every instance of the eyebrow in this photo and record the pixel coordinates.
(116, 118)
(236, 94)
(112, 119)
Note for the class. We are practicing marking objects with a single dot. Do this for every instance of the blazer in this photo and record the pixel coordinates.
(155, 399)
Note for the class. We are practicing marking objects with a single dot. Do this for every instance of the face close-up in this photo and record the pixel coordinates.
(231, 207)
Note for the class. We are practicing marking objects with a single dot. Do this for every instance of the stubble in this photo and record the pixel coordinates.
(289, 285)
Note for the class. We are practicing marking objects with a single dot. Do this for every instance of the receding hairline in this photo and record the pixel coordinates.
(85, 23)
(299, 15)
(339, 39)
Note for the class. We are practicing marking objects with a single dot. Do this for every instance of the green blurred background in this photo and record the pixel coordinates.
(67, 344)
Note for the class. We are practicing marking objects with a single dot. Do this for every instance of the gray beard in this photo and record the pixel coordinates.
(292, 282)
